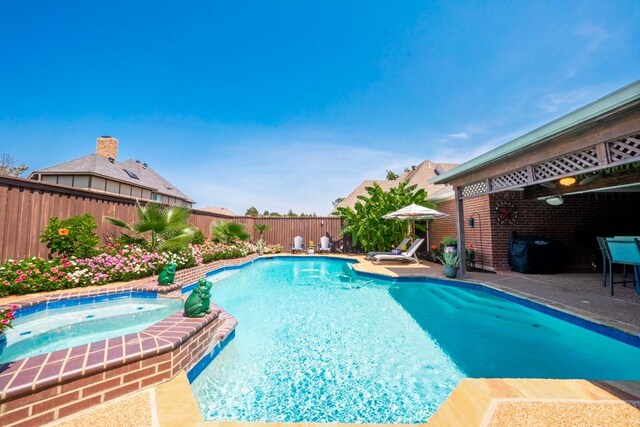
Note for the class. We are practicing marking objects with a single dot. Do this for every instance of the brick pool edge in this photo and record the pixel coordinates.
(45, 388)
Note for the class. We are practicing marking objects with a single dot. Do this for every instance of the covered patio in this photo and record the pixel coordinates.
(569, 181)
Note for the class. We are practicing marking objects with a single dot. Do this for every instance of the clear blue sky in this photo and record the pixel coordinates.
(291, 104)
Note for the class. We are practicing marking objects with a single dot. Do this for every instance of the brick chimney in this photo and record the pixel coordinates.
(107, 147)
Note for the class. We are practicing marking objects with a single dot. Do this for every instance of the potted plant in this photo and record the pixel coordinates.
(450, 244)
(450, 262)
(260, 247)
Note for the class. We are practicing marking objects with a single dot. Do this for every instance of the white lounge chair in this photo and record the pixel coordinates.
(409, 255)
(398, 249)
(325, 244)
(298, 244)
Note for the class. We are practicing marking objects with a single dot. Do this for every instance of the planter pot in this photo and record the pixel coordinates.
(450, 272)
(260, 252)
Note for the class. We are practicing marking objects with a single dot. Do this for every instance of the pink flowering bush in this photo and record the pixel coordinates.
(115, 263)
(211, 251)
(6, 317)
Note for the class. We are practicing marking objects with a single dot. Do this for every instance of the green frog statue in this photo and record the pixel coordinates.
(197, 305)
(168, 275)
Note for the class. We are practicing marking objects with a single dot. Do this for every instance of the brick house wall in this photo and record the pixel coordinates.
(575, 224)
(478, 237)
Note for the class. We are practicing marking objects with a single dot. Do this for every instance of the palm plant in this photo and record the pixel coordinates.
(261, 229)
(161, 228)
(227, 232)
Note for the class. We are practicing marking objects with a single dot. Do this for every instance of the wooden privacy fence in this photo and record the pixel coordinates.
(26, 207)
(284, 229)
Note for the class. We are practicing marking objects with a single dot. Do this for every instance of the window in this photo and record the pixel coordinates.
(131, 174)
(156, 197)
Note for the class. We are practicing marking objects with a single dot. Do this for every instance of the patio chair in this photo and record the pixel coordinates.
(297, 245)
(625, 251)
(409, 256)
(606, 263)
(397, 250)
(325, 244)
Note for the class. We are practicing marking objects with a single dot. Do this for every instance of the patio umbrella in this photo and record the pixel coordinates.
(415, 213)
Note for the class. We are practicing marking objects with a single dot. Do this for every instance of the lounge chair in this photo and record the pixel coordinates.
(398, 249)
(325, 244)
(409, 255)
(298, 244)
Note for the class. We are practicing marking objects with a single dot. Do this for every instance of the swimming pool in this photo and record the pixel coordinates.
(317, 343)
(71, 322)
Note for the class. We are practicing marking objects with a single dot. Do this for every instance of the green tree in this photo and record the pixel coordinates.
(9, 167)
(160, 227)
(261, 229)
(391, 175)
(337, 201)
(227, 232)
(265, 213)
(252, 211)
(291, 213)
(365, 223)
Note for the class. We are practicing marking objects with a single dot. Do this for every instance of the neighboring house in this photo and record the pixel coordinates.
(419, 175)
(102, 172)
(219, 211)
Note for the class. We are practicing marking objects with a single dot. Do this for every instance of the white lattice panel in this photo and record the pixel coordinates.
(567, 164)
(624, 148)
(513, 179)
(474, 189)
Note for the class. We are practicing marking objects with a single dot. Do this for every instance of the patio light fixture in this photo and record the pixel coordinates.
(567, 181)
(555, 200)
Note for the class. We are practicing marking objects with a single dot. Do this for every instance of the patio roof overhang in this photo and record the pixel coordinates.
(601, 136)
(598, 145)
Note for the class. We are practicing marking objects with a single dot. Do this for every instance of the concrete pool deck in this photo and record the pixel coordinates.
(482, 402)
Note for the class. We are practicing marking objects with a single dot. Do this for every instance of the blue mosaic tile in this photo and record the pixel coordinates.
(208, 358)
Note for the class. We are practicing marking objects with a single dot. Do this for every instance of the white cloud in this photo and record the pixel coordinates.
(564, 101)
(459, 135)
(594, 34)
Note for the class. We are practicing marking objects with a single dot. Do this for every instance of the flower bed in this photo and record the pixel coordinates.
(210, 251)
(115, 263)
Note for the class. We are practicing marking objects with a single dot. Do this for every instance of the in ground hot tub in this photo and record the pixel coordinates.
(62, 324)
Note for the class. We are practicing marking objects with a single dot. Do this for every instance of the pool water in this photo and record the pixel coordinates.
(316, 343)
(56, 329)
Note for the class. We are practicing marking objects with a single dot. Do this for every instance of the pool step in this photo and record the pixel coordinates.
(456, 302)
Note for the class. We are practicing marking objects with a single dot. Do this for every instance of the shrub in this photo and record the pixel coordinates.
(365, 223)
(216, 251)
(198, 237)
(71, 237)
(228, 232)
(449, 241)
